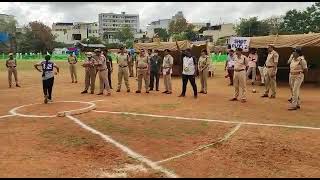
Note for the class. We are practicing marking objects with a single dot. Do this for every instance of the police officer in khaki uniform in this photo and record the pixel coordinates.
(203, 66)
(131, 63)
(271, 72)
(11, 64)
(90, 74)
(122, 60)
(101, 66)
(72, 60)
(298, 67)
(143, 71)
(167, 71)
(239, 77)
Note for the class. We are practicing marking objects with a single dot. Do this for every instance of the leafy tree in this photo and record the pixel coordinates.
(179, 25)
(274, 23)
(252, 27)
(162, 33)
(92, 40)
(298, 22)
(37, 38)
(125, 35)
(179, 37)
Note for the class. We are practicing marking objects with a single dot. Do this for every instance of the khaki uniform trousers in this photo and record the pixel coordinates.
(167, 82)
(142, 74)
(123, 74)
(73, 72)
(90, 79)
(130, 65)
(295, 82)
(104, 83)
(12, 70)
(203, 79)
(270, 82)
(239, 83)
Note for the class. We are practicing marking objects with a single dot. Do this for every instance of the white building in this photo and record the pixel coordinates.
(71, 33)
(161, 23)
(109, 23)
(218, 31)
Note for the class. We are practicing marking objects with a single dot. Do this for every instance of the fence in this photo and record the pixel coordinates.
(39, 56)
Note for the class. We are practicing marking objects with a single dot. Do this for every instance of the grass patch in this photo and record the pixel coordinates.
(60, 137)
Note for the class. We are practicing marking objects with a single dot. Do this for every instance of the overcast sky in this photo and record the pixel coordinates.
(49, 12)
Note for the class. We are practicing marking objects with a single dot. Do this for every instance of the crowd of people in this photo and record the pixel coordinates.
(149, 65)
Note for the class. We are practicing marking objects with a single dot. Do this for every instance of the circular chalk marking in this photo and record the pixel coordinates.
(91, 106)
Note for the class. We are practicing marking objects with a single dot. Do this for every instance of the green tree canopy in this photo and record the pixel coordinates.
(252, 27)
(92, 40)
(125, 35)
(162, 33)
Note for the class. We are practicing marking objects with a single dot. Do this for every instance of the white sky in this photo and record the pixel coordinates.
(229, 12)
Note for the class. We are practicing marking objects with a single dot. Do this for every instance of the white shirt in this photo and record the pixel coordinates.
(188, 66)
(230, 62)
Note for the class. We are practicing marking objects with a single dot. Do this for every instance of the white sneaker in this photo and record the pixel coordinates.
(50, 100)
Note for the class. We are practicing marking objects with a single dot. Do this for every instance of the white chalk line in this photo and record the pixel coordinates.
(5, 116)
(225, 138)
(124, 148)
(96, 101)
(211, 120)
(14, 110)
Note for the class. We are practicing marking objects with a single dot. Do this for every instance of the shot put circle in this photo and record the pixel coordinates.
(91, 106)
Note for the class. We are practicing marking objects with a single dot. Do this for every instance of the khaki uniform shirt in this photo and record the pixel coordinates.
(142, 62)
(89, 64)
(101, 62)
(240, 62)
(273, 57)
(72, 59)
(203, 63)
(122, 59)
(11, 63)
(298, 64)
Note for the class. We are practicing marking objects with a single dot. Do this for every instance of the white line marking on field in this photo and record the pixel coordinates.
(124, 148)
(211, 120)
(226, 137)
(5, 116)
(96, 100)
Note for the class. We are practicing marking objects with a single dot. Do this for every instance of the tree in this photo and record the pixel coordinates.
(298, 22)
(92, 40)
(179, 37)
(125, 35)
(37, 38)
(162, 33)
(274, 23)
(252, 27)
(179, 25)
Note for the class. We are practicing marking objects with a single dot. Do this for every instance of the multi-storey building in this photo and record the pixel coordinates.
(110, 23)
(71, 33)
(161, 23)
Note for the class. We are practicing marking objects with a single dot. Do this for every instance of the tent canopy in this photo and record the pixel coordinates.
(282, 41)
(161, 46)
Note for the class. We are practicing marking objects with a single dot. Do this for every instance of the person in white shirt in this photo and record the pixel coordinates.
(229, 66)
(189, 72)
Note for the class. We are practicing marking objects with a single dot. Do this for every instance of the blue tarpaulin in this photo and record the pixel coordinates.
(4, 37)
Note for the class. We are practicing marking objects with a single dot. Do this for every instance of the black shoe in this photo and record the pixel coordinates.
(151, 90)
(165, 92)
(201, 92)
(230, 84)
(157, 89)
(46, 99)
(76, 82)
(182, 95)
(147, 91)
(92, 92)
(272, 97)
(118, 90)
(84, 92)
(128, 90)
(138, 91)
(195, 97)
(100, 94)
(168, 92)
(265, 95)
(233, 99)
(17, 85)
(290, 100)
(252, 83)
(298, 106)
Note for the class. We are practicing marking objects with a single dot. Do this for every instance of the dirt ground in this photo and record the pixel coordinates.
(58, 147)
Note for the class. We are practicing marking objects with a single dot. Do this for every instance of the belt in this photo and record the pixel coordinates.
(236, 70)
(12, 66)
(295, 73)
(142, 68)
(269, 66)
(102, 69)
(123, 66)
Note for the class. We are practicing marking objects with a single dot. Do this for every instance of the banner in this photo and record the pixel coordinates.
(4, 37)
(240, 42)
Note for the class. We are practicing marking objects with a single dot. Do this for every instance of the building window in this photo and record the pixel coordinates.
(76, 37)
